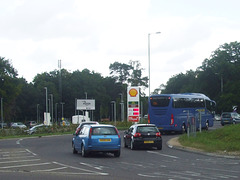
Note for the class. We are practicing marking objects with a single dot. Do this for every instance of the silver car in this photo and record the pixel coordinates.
(18, 125)
(230, 118)
(36, 128)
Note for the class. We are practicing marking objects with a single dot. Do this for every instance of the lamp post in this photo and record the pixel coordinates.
(221, 78)
(221, 83)
(37, 112)
(62, 103)
(51, 96)
(56, 105)
(86, 112)
(149, 60)
(114, 111)
(46, 104)
(122, 107)
(2, 111)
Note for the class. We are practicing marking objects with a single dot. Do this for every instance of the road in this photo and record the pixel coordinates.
(51, 158)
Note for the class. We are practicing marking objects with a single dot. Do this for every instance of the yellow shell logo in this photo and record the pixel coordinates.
(133, 92)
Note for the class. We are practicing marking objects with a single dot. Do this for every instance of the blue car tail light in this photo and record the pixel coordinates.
(90, 133)
(118, 133)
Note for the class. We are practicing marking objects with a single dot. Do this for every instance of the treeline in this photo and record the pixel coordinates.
(218, 77)
(23, 101)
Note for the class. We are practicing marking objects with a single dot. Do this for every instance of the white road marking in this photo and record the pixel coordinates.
(132, 164)
(20, 157)
(30, 152)
(19, 161)
(25, 165)
(18, 141)
(89, 165)
(89, 171)
(49, 170)
(166, 155)
(13, 152)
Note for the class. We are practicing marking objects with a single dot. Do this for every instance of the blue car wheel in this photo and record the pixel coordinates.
(73, 149)
(117, 153)
(84, 152)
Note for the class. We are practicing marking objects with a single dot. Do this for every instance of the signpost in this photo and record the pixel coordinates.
(200, 111)
(85, 104)
(133, 104)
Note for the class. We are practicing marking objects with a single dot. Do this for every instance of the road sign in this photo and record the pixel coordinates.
(85, 104)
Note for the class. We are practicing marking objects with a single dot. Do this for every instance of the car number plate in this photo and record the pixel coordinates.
(104, 140)
(148, 141)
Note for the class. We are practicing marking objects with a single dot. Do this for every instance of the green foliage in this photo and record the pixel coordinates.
(10, 87)
(21, 99)
(218, 78)
(120, 71)
(223, 139)
(54, 130)
(128, 75)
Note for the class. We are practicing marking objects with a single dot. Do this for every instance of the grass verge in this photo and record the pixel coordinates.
(226, 139)
(54, 130)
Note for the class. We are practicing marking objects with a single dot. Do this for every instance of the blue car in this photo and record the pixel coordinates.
(97, 138)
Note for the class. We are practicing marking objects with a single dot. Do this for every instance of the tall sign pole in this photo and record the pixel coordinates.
(133, 104)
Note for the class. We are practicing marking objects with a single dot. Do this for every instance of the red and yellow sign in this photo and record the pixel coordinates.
(133, 104)
(133, 92)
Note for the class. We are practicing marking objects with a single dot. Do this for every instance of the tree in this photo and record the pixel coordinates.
(10, 88)
(181, 83)
(136, 78)
(217, 77)
(120, 72)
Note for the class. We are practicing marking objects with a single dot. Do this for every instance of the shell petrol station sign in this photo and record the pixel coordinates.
(133, 104)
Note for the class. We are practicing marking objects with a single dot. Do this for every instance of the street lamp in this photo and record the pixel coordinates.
(62, 103)
(122, 107)
(37, 112)
(56, 105)
(221, 76)
(46, 104)
(2, 111)
(149, 59)
(114, 105)
(51, 96)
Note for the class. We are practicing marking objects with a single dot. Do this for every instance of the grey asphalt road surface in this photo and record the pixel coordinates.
(52, 158)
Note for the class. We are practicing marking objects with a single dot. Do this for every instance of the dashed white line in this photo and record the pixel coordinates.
(89, 165)
(20, 157)
(26, 165)
(49, 170)
(14, 152)
(31, 152)
(166, 155)
(89, 171)
(140, 165)
(19, 161)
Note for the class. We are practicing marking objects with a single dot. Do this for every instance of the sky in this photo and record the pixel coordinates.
(92, 34)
